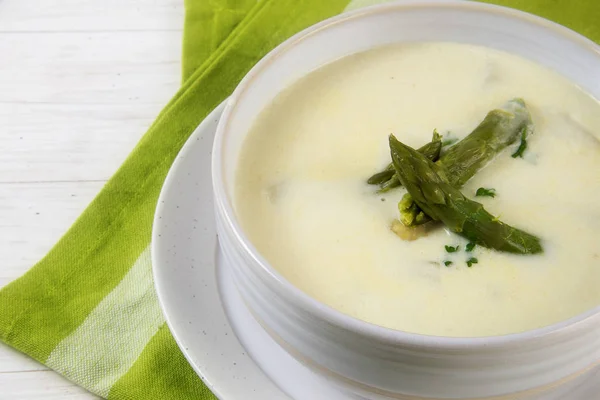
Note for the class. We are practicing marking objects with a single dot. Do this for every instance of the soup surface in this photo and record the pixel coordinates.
(302, 198)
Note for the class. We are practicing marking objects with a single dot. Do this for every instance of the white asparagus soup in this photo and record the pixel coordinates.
(302, 196)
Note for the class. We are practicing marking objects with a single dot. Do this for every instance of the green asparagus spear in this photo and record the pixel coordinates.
(392, 183)
(383, 176)
(433, 191)
(499, 129)
(387, 179)
(432, 149)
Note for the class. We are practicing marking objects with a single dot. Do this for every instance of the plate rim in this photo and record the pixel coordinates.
(155, 245)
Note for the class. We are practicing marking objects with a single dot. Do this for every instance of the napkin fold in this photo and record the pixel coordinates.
(88, 309)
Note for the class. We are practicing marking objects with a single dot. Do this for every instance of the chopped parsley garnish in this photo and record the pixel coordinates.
(451, 249)
(472, 261)
(470, 246)
(523, 145)
(484, 192)
(447, 263)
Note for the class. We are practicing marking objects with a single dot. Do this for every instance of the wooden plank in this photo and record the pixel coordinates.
(50, 142)
(80, 82)
(90, 15)
(47, 385)
(13, 361)
(126, 68)
(33, 216)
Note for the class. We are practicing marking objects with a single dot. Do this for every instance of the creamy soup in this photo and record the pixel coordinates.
(302, 198)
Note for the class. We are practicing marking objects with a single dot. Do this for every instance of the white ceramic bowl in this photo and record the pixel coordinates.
(369, 360)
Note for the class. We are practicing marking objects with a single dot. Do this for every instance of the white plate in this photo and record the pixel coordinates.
(195, 291)
(207, 317)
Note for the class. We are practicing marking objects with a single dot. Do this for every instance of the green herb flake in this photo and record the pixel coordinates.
(447, 263)
(523, 145)
(451, 249)
(484, 192)
(470, 246)
(472, 261)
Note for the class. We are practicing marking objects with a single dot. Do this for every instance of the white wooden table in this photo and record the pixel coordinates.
(80, 82)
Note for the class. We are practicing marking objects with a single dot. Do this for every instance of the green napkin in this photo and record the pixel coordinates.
(88, 310)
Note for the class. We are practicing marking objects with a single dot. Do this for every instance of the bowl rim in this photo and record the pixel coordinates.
(325, 312)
